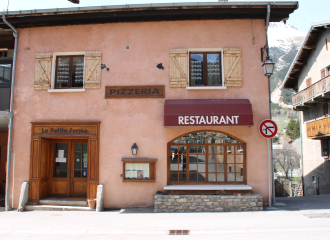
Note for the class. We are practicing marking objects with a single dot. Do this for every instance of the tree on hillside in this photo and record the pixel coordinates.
(293, 130)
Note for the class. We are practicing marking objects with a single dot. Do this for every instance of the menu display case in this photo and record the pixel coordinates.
(139, 169)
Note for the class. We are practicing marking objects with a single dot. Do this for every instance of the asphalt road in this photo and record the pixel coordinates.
(296, 220)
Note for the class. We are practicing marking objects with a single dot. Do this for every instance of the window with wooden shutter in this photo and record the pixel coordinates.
(233, 67)
(92, 75)
(322, 73)
(43, 69)
(178, 67)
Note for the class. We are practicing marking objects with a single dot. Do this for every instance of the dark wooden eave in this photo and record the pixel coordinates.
(291, 79)
(149, 12)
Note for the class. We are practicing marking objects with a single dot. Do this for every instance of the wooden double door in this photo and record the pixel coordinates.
(68, 161)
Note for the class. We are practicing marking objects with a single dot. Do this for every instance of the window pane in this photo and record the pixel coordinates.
(231, 177)
(230, 158)
(174, 158)
(220, 168)
(5, 73)
(213, 70)
(196, 70)
(239, 177)
(62, 80)
(239, 149)
(220, 177)
(230, 150)
(193, 158)
(182, 177)
(85, 148)
(182, 150)
(193, 177)
(182, 159)
(201, 158)
(77, 147)
(192, 149)
(192, 167)
(201, 149)
(174, 149)
(201, 167)
(212, 158)
(211, 167)
(182, 167)
(239, 158)
(77, 173)
(239, 168)
(77, 72)
(174, 167)
(77, 160)
(201, 177)
(174, 177)
(231, 168)
(212, 177)
(60, 160)
(220, 159)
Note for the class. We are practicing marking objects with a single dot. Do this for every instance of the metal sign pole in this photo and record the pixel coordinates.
(269, 175)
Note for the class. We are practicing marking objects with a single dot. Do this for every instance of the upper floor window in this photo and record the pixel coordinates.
(69, 72)
(205, 69)
(327, 71)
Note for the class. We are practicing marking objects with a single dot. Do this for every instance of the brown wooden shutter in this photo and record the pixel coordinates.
(92, 70)
(308, 82)
(43, 70)
(178, 67)
(322, 73)
(233, 67)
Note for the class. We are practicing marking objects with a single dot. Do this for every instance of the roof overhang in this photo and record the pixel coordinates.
(149, 12)
(208, 112)
(310, 41)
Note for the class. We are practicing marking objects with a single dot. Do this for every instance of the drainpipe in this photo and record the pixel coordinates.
(10, 137)
(270, 108)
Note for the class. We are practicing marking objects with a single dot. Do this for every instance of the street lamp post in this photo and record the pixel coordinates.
(268, 67)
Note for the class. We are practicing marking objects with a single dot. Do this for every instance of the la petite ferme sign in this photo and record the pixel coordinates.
(149, 91)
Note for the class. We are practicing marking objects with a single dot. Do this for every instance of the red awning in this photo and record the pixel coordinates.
(208, 112)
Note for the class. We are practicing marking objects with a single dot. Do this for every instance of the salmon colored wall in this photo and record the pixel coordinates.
(128, 121)
(3, 161)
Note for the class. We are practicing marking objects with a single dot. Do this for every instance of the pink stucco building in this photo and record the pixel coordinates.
(182, 82)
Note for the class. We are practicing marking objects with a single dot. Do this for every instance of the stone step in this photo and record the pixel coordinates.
(56, 208)
(63, 202)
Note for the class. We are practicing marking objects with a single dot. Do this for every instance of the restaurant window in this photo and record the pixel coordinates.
(69, 72)
(205, 69)
(206, 157)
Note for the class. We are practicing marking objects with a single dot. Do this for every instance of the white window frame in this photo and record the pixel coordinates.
(55, 55)
(222, 69)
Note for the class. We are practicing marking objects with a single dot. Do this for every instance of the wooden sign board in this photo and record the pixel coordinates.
(64, 130)
(149, 91)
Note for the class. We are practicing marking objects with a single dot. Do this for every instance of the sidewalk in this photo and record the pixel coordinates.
(142, 223)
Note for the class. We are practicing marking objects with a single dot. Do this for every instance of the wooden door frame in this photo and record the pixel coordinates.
(64, 130)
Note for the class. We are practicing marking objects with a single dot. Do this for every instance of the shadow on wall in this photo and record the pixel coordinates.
(317, 182)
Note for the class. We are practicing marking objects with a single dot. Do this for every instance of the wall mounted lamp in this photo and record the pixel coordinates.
(103, 66)
(268, 66)
(160, 66)
(134, 149)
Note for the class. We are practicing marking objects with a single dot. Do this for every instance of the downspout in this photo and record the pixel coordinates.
(10, 137)
(270, 108)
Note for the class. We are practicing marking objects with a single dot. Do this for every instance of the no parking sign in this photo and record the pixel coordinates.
(268, 128)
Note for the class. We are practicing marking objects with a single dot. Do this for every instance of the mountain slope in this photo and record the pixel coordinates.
(284, 42)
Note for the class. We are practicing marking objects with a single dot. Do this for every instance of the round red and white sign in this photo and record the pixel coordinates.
(268, 128)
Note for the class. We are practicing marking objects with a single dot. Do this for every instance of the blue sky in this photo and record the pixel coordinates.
(309, 10)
